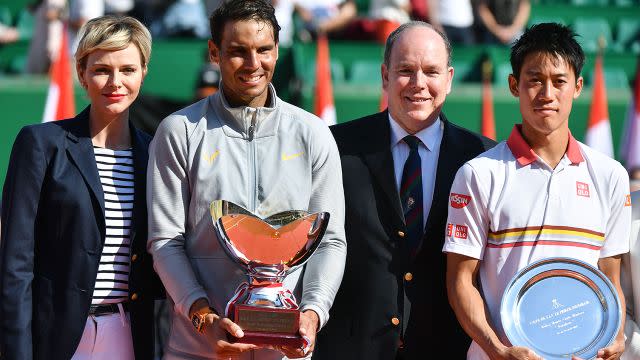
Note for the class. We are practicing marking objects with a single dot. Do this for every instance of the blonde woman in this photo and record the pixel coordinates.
(75, 279)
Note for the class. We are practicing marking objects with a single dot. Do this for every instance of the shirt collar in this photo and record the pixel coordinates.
(429, 136)
(525, 155)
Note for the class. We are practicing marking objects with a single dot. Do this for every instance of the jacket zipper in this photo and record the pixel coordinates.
(253, 176)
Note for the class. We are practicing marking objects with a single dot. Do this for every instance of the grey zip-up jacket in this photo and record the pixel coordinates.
(267, 160)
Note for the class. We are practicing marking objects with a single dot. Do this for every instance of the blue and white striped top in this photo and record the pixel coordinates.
(115, 168)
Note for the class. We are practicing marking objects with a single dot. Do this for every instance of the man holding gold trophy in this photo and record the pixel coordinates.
(242, 183)
(533, 257)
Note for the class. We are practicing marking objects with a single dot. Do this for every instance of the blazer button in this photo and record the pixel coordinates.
(408, 276)
(395, 321)
(401, 233)
(134, 297)
(134, 257)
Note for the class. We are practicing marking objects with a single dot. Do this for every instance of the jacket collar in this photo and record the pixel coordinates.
(237, 121)
(140, 158)
(376, 153)
(80, 150)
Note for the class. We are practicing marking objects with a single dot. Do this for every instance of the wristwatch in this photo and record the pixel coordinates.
(198, 318)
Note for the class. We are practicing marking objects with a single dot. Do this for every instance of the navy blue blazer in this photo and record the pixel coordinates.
(53, 231)
(386, 296)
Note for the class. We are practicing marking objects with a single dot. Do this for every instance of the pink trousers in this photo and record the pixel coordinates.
(106, 337)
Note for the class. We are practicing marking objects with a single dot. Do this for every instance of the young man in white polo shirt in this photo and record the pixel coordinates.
(539, 194)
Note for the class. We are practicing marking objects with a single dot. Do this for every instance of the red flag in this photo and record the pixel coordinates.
(60, 102)
(630, 145)
(598, 135)
(324, 106)
(488, 123)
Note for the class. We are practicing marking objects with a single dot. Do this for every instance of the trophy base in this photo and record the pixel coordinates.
(258, 338)
(268, 326)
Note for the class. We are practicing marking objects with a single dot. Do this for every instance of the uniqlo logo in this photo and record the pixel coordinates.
(461, 232)
(449, 229)
(582, 189)
(627, 200)
(458, 201)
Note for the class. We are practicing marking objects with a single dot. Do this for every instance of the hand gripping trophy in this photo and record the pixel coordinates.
(268, 250)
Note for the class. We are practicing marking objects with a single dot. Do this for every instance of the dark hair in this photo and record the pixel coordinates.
(406, 26)
(239, 10)
(550, 38)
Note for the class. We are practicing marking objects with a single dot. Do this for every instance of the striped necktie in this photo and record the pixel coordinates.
(411, 195)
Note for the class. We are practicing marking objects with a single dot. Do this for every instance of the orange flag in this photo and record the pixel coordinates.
(598, 135)
(324, 106)
(488, 123)
(60, 102)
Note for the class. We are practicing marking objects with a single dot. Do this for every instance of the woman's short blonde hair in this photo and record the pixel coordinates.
(112, 32)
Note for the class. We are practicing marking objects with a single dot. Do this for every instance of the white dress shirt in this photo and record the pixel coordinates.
(429, 151)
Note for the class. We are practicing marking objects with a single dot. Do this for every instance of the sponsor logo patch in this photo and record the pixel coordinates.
(627, 200)
(212, 157)
(582, 189)
(458, 201)
(461, 232)
(449, 229)
(286, 157)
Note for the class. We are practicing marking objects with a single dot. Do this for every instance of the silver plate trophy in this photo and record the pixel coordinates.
(560, 307)
(267, 249)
